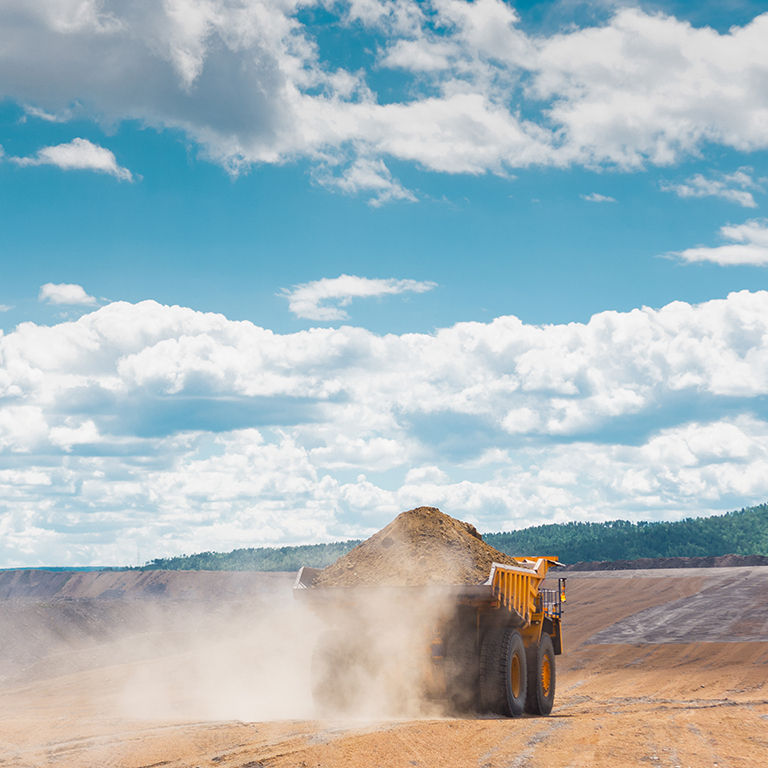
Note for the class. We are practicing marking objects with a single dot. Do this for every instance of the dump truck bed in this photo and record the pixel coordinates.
(470, 593)
(514, 588)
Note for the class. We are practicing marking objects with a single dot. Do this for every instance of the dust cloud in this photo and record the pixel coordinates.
(180, 660)
(245, 660)
(367, 661)
(235, 662)
(384, 655)
(377, 634)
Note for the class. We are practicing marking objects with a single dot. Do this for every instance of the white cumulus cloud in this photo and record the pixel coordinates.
(596, 197)
(246, 80)
(64, 293)
(78, 154)
(749, 246)
(323, 299)
(734, 187)
(183, 431)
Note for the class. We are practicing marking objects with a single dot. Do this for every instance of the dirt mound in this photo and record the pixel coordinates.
(420, 547)
(724, 561)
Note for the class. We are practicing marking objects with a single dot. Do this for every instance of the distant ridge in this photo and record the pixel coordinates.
(743, 532)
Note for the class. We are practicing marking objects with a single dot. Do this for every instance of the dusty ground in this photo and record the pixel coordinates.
(666, 668)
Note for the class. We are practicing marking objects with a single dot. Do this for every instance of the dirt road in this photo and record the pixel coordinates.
(666, 668)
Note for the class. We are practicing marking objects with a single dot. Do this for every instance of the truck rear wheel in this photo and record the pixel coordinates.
(503, 672)
(541, 676)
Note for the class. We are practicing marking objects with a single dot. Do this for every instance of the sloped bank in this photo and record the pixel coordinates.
(141, 585)
(646, 563)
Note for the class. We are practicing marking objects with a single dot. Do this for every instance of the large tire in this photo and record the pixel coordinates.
(541, 677)
(462, 671)
(335, 674)
(503, 678)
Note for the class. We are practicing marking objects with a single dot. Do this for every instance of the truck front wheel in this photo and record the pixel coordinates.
(541, 677)
(503, 672)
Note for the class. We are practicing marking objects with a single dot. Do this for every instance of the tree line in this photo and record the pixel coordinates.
(743, 532)
(256, 559)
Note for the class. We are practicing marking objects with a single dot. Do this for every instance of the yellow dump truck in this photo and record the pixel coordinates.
(487, 647)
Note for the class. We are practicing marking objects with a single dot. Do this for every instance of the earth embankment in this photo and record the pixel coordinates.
(26, 584)
(647, 563)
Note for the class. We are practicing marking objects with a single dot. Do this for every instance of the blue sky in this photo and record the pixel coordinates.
(274, 271)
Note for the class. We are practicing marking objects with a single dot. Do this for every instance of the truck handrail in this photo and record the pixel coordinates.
(517, 587)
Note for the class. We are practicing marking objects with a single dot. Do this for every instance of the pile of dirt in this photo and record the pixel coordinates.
(420, 547)
(723, 561)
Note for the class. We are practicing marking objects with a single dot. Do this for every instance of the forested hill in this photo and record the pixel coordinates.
(740, 533)
(735, 533)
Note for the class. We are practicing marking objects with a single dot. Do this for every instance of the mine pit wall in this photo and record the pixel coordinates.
(131, 585)
(722, 561)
